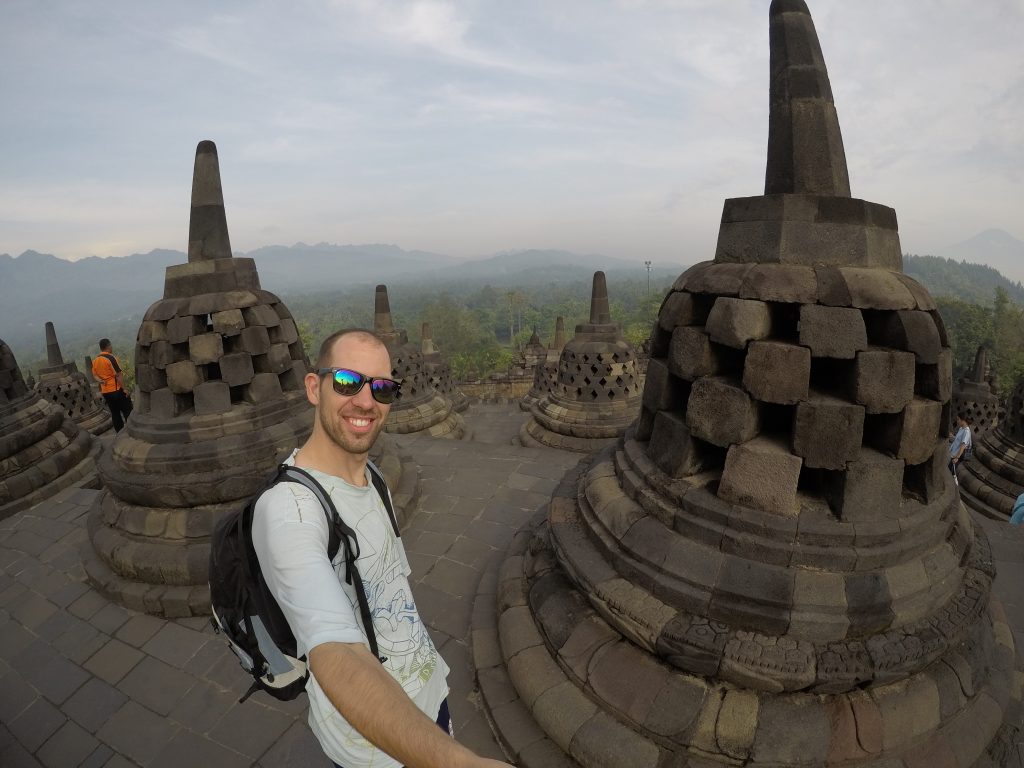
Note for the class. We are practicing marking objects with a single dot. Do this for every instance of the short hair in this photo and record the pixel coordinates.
(325, 348)
(964, 417)
(104, 344)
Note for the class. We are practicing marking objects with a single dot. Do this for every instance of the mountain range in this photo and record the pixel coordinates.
(86, 296)
(94, 293)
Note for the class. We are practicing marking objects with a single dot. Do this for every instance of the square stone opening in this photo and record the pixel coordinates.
(212, 371)
(729, 361)
(660, 341)
(777, 420)
(874, 323)
(816, 482)
(830, 375)
(785, 321)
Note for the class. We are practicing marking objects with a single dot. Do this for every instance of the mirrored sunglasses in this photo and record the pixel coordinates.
(348, 383)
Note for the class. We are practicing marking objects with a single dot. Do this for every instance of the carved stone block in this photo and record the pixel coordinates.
(827, 431)
(832, 331)
(734, 322)
(763, 474)
(721, 412)
(883, 380)
(206, 348)
(776, 372)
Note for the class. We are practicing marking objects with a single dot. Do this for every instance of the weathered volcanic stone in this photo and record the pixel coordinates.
(206, 429)
(64, 385)
(776, 372)
(827, 431)
(777, 535)
(734, 322)
(762, 474)
(421, 408)
(439, 373)
(832, 331)
(883, 380)
(596, 395)
(42, 451)
(721, 412)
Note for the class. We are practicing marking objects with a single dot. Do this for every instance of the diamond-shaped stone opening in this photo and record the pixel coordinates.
(593, 394)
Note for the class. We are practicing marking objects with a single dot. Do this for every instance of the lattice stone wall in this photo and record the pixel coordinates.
(597, 375)
(844, 374)
(206, 353)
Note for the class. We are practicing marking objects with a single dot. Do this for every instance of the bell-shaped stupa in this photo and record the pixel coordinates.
(545, 372)
(220, 400)
(976, 398)
(62, 383)
(42, 451)
(773, 567)
(420, 408)
(596, 394)
(439, 372)
(993, 478)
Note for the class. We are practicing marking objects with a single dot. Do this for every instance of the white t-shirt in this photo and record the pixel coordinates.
(290, 535)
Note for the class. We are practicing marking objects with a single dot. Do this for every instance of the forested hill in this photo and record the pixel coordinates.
(974, 283)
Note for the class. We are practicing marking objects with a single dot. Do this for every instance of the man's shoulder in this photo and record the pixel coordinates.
(287, 500)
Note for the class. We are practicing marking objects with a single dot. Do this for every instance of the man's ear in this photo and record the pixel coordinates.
(312, 382)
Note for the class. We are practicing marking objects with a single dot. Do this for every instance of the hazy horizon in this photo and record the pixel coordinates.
(468, 129)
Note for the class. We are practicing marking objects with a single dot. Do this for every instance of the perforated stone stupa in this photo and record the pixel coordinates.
(420, 408)
(439, 372)
(596, 394)
(42, 451)
(991, 481)
(545, 373)
(62, 383)
(220, 400)
(773, 567)
(975, 397)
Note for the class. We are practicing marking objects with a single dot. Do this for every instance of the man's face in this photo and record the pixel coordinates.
(353, 423)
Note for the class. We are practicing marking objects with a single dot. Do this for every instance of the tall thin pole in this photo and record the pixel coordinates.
(648, 265)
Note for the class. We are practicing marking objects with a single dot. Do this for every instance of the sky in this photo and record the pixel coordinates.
(470, 128)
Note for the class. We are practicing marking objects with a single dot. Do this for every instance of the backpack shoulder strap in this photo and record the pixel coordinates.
(385, 495)
(293, 474)
(112, 360)
(340, 535)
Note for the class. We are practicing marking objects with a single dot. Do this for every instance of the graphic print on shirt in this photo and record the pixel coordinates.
(401, 634)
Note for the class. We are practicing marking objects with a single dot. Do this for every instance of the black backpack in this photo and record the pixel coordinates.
(245, 611)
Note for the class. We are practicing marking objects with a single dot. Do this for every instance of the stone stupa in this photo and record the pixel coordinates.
(545, 372)
(773, 567)
(42, 451)
(534, 352)
(597, 393)
(219, 401)
(62, 383)
(993, 478)
(420, 408)
(439, 372)
(976, 398)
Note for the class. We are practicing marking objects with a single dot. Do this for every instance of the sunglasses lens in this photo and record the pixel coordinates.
(348, 383)
(384, 390)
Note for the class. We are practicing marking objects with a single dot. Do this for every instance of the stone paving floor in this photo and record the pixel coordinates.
(87, 683)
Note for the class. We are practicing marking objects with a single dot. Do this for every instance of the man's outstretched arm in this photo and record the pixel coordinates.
(379, 708)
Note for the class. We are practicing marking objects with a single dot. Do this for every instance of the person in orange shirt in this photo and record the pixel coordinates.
(107, 371)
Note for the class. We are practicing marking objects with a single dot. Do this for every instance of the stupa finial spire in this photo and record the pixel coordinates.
(53, 354)
(382, 311)
(805, 145)
(208, 225)
(600, 314)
